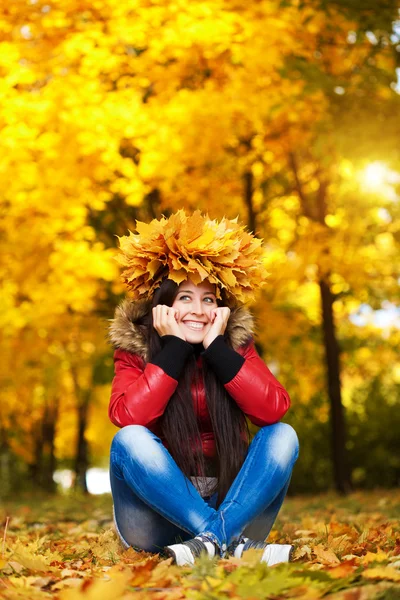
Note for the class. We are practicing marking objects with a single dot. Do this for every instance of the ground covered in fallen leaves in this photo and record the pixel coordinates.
(66, 548)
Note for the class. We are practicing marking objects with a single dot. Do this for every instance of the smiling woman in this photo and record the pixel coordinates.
(187, 375)
(193, 307)
(196, 313)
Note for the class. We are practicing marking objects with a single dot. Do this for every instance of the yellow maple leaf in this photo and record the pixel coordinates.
(193, 246)
(370, 557)
(388, 573)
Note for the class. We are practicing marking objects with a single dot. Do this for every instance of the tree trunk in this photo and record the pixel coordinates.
(82, 449)
(153, 202)
(5, 469)
(48, 459)
(35, 467)
(82, 396)
(338, 429)
(316, 210)
(248, 198)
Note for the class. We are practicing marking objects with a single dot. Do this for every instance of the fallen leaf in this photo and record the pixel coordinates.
(98, 589)
(395, 564)
(141, 574)
(251, 557)
(370, 557)
(68, 582)
(305, 533)
(301, 552)
(388, 573)
(69, 573)
(304, 592)
(131, 556)
(342, 570)
(164, 574)
(41, 582)
(13, 566)
(326, 557)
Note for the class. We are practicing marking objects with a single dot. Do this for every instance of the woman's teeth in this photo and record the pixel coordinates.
(193, 325)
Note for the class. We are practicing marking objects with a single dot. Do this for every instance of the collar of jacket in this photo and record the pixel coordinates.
(126, 334)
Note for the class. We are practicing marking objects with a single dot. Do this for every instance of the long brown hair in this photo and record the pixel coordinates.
(179, 422)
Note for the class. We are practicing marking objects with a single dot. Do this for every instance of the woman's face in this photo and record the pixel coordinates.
(194, 304)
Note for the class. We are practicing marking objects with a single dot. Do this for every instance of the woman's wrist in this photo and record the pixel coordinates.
(207, 344)
(165, 339)
(173, 355)
(224, 361)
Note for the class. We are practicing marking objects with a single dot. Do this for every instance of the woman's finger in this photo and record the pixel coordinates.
(165, 320)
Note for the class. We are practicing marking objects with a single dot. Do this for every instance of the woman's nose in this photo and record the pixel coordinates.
(197, 307)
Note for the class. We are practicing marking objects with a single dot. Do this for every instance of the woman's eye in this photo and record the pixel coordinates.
(207, 298)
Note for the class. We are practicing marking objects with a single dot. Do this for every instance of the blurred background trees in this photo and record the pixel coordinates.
(284, 113)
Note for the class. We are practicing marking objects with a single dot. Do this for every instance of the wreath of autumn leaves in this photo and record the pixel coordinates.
(195, 247)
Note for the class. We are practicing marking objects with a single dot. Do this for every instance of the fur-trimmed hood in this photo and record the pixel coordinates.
(125, 333)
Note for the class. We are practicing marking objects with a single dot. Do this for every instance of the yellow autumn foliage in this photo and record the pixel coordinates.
(193, 246)
(104, 105)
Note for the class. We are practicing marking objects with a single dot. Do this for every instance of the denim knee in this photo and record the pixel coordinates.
(139, 446)
(282, 439)
(131, 436)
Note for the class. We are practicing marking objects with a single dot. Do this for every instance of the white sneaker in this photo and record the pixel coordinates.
(187, 552)
(277, 553)
(272, 555)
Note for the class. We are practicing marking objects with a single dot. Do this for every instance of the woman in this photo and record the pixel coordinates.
(184, 478)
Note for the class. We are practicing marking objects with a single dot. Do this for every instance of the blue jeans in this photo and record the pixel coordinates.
(155, 504)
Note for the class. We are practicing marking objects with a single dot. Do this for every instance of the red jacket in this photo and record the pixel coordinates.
(141, 391)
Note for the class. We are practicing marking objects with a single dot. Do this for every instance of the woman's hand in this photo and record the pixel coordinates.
(164, 321)
(219, 322)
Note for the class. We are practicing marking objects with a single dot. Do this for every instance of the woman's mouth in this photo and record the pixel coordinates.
(194, 325)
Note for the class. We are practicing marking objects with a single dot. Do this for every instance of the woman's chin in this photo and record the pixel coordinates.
(194, 338)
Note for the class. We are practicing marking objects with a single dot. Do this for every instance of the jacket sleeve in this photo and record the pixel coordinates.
(256, 391)
(140, 392)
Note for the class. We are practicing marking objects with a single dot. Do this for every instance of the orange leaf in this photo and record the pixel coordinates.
(343, 570)
(131, 556)
(326, 557)
(142, 573)
(301, 552)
